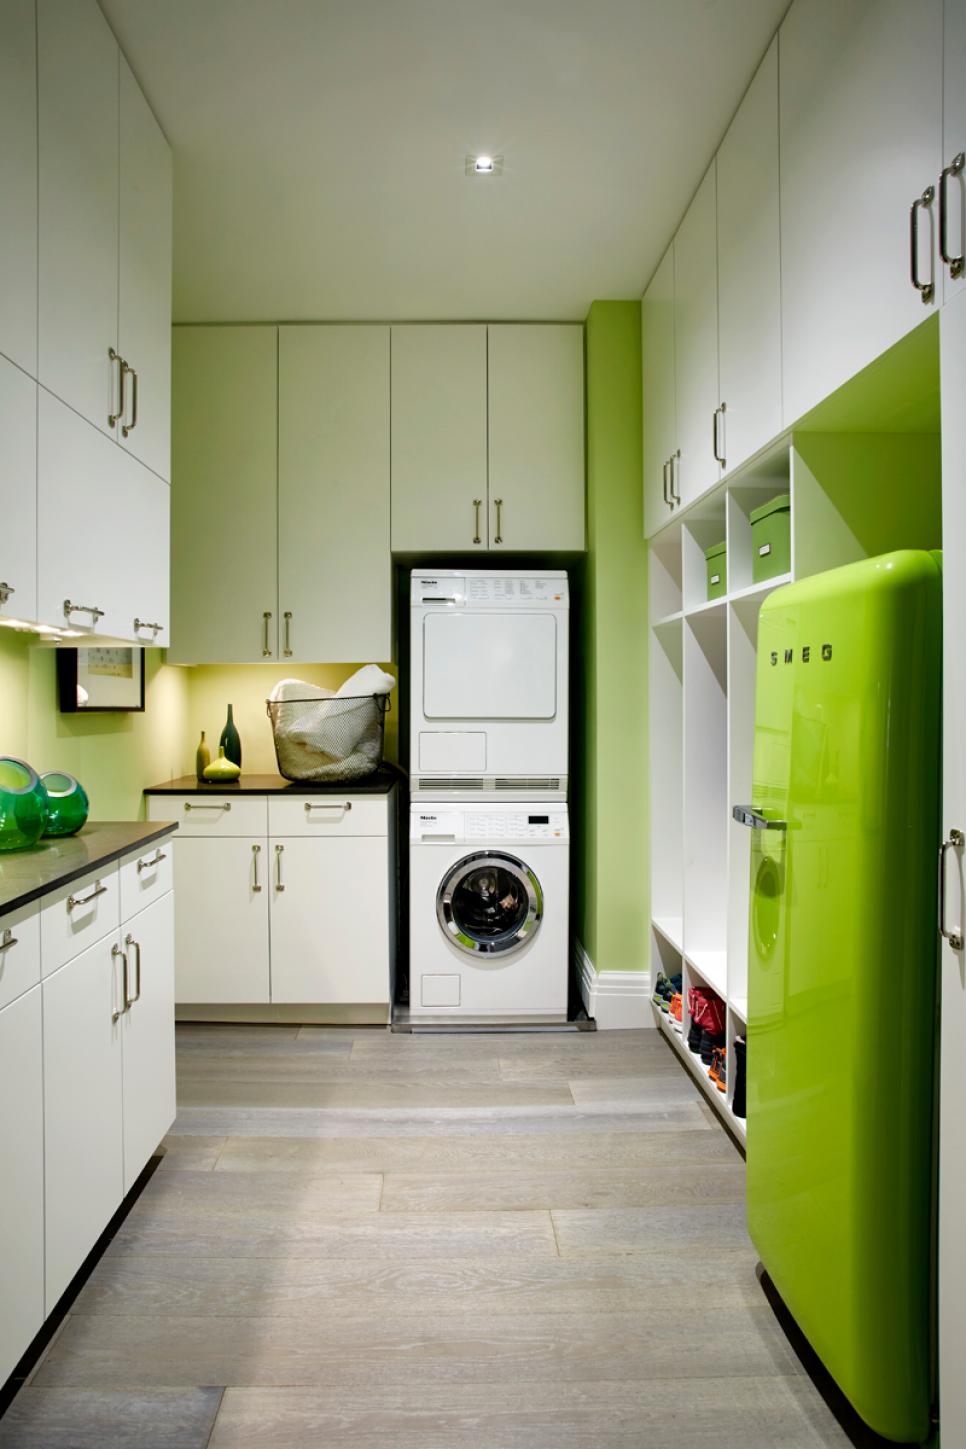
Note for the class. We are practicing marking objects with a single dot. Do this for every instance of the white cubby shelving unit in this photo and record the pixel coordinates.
(853, 495)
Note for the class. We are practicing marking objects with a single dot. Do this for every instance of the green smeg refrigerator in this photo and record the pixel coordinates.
(842, 999)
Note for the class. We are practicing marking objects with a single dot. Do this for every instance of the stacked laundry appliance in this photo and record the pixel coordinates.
(489, 859)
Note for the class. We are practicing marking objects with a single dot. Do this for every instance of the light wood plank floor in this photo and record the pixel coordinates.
(357, 1239)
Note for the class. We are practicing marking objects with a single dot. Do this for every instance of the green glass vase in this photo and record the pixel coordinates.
(68, 805)
(23, 804)
(229, 741)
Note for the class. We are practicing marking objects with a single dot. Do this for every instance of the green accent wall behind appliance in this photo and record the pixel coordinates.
(610, 799)
(842, 972)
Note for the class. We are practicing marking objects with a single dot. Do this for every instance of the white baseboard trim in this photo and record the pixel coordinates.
(615, 999)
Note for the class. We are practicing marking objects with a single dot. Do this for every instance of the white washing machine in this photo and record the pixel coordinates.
(489, 671)
(488, 912)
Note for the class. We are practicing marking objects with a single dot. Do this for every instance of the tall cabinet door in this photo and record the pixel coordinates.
(334, 565)
(439, 471)
(224, 495)
(22, 1155)
(18, 183)
(144, 314)
(147, 1033)
(658, 404)
(749, 271)
(952, 1118)
(221, 928)
(536, 436)
(330, 919)
(860, 129)
(18, 492)
(78, 244)
(696, 343)
(954, 146)
(83, 1166)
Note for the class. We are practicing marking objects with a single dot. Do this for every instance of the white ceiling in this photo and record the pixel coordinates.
(319, 147)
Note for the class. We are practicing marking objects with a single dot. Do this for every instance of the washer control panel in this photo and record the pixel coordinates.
(490, 827)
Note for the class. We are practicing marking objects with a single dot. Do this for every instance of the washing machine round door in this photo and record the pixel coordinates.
(490, 904)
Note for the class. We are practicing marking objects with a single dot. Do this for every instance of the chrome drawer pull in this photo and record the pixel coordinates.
(115, 1014)
(225, 806)
(955, 168)
(156, 859)
(956, 841)
(115, 356)
(256, 852)
(9, 939)
(128, 428)
(278, 867)
(926, 290)
(5, 591)
(70, 608)
(136, 946)
(99, 890)
(140, 624)
(748, 815)
(311, 805)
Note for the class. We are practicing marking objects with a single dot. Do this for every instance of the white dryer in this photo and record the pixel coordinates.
(489, 673)
(488, 912)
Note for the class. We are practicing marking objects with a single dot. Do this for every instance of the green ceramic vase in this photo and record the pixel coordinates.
(230, 742)
(68, 806)
(222, 769)
(23, 804)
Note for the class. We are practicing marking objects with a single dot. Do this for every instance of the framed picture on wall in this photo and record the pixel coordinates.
(100, 679)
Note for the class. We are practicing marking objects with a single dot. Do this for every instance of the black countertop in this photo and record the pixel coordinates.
(26, 875)
(378, 784)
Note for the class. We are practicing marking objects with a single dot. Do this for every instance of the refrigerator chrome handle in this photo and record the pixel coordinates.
(956, 841)
(748, 815)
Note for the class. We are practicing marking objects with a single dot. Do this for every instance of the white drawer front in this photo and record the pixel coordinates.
(146, 877)
(328, 815)
(19, 952)
(78, 915)
(212, 814)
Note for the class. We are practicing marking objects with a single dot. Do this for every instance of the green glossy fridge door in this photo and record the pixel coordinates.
(842, 972)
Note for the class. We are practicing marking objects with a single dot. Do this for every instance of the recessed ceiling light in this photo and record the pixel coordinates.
(484, 165)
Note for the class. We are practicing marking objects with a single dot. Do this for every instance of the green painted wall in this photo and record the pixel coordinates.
(610, 806)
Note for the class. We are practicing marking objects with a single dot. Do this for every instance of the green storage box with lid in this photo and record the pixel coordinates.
(771, 539)
(717, 561)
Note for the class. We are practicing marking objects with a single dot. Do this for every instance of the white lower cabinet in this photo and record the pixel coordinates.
(22, 1156)
(147, 1034)
(330, 919)
(83, 1112)
(221, 933)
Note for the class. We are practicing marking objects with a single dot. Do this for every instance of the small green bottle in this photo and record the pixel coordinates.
(230, 741)
(202, 758)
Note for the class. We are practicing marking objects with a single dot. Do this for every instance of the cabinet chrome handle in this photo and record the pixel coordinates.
(926, 290)
(9, 939)
(136, 948)
(127, 428)
(155, 859)
(140, 624)
(5, 591)
(116, 357)
(287, 616)
(341, 806)
(215, 805)
(266, 647)
(664, 473)
(955, 168)
(498, 504)
(716, 426)
(99, 890)
(278, 867)
(477, 505)
(956, 841)
(748, 815)
(675, 477)
(256, 852)
(115, 1014)
(70, 608)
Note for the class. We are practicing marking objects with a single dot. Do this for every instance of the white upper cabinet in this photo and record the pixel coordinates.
(696, 345)
(18, 492)
(18, 183)
(860, 136)
(536, 437)
(334, 564)
(749, 272)
(658, 411)
(224, 495)
(144, 313)
(953, 176)
(439, 438)
(78, 246)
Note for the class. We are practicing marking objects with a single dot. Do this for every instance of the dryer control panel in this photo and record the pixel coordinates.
(491, 826)
(506, 587)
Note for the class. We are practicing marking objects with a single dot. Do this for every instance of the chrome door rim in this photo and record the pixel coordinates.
(510, 943)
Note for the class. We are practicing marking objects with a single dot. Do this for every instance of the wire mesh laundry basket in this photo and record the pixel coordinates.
(328, 739)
